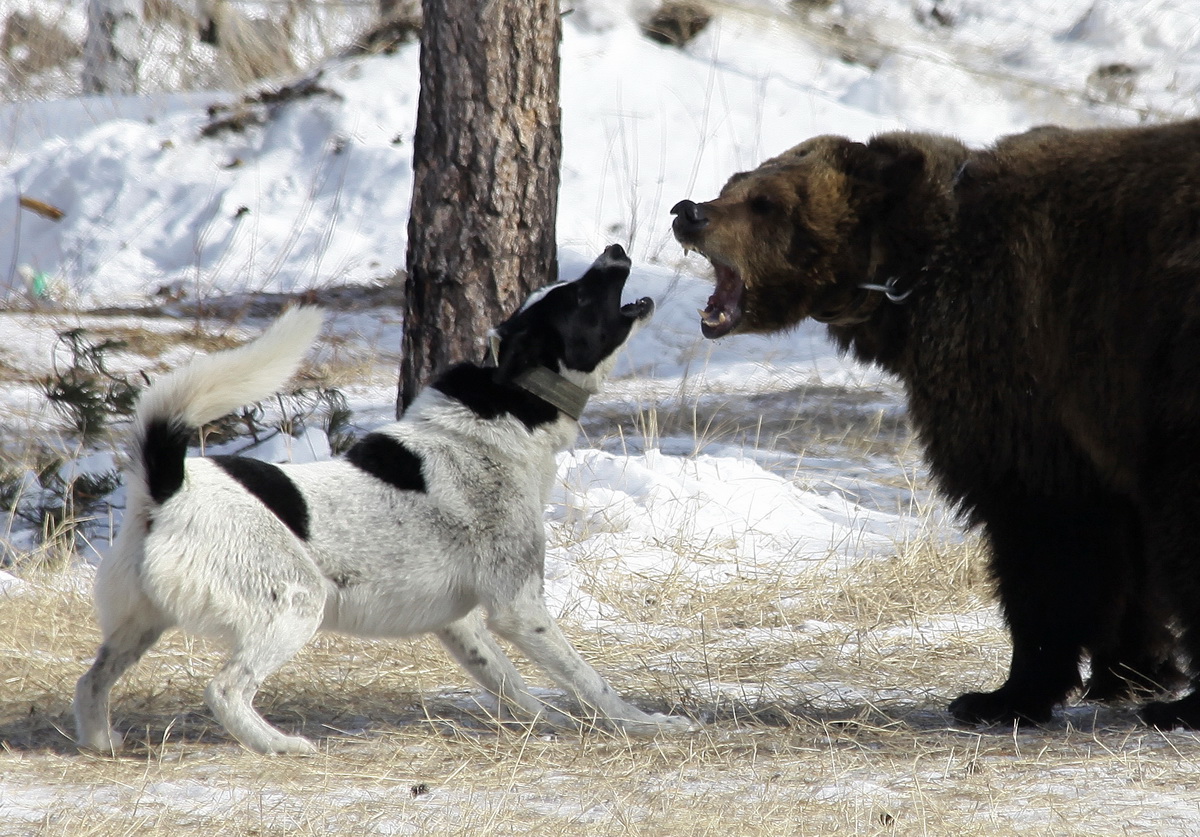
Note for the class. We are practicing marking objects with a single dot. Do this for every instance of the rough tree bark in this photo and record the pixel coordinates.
(111, 47)
(486, 157)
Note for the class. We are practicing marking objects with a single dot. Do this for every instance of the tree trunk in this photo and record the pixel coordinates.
(111, 47)
(486, 156)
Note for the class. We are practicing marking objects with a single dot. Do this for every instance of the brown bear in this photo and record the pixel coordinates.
(1040, 301)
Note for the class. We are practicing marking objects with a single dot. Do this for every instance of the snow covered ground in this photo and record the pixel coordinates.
(159, 211)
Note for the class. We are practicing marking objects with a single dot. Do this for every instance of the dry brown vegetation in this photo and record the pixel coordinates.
(821, 697)
(41, 49)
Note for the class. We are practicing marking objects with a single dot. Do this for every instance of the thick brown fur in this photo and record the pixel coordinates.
(1050, 347)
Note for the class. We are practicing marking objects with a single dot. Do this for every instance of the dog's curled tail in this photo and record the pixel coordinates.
(210, 387)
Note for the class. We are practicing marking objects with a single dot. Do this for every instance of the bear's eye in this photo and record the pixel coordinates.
(760, 205)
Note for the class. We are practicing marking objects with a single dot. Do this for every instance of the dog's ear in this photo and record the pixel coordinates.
(520, 349)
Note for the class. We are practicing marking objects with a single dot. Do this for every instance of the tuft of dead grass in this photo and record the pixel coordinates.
(154, 343)
(810, 420)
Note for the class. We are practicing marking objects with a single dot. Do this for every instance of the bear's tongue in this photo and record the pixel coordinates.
(725, 305)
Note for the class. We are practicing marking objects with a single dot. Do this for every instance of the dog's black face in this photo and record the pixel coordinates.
(574, 330)
(576, 326)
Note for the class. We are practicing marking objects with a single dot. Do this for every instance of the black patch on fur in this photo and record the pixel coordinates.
(571, 325)
(478, 392)
(164, 447)
(269, 484)
(389, 460)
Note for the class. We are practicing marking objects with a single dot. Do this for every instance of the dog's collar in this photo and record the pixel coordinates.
(539, 381)
(554, 389)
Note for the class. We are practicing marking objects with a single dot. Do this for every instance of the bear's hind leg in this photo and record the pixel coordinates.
(1139, 658)
(1057, 568)
(1144, 661)
(1170, 510)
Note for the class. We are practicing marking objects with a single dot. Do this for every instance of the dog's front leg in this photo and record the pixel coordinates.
(472, 646)
(527, 624)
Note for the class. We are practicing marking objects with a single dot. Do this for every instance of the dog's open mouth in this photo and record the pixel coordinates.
(724, 309)
(639, 310)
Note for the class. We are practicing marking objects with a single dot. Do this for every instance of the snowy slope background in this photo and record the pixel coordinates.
(160, 212)
(314, 192)
(319, 194)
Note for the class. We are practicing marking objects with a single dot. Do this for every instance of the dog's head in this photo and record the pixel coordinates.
(574, 329)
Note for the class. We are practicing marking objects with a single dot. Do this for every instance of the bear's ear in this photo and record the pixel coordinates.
(885, 164)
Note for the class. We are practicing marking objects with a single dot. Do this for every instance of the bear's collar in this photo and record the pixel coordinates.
(894, 288)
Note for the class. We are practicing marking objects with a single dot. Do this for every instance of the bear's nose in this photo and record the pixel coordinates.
(689, 217)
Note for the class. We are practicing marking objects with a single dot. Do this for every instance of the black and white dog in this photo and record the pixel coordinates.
(427, 524)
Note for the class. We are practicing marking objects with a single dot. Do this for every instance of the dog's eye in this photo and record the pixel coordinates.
(761, 206)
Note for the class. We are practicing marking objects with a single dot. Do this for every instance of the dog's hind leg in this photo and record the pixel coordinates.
(120, 650)
(527, 624)
(260, 652)
(472, 646)
(130, 623)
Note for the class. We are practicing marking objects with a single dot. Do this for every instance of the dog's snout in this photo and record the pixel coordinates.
(616, 253)
(689, 217)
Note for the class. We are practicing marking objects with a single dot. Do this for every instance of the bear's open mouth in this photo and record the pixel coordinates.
(724, 309)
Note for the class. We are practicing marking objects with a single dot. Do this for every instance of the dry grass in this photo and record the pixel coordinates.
(821, 693)
(153, 343)
(340, 363)
(822, 698)
(41, 50)
(811, 420)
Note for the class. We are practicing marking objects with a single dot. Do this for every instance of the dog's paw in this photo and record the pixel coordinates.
(675, 724)
(283, 745)
(558, 720)
(107, 743)
(299, 746)
(656, 724)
